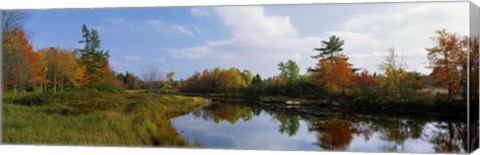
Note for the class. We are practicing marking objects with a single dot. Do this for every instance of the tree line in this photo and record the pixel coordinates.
(55, 69)
(333, 77)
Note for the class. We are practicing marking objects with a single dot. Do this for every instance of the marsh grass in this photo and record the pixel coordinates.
(28, 98)
(96, 118)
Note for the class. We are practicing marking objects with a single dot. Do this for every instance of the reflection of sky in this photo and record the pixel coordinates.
(262, 133)
(259, 133)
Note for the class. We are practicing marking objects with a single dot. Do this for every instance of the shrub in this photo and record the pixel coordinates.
(106, 87)
(36, 99)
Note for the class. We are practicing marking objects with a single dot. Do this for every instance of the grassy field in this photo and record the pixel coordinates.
(95, 118)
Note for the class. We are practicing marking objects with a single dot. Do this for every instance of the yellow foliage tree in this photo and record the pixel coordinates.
(61, 69)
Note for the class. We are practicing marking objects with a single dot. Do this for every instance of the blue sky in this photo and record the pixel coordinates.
(188, 39)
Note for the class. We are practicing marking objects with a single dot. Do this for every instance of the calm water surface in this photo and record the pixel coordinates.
(241, 126)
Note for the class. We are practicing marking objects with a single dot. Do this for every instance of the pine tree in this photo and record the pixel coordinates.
(94, 58)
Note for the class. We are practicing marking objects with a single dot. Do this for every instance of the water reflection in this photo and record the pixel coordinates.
(450, 139)
(225, 112)
(242, 126)
(288, 124)
(333, 134)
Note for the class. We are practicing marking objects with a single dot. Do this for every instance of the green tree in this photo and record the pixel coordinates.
(289, 71)
(330, 48)
(237, 78)
(248, 76)
(257, 80)
(94, 58)
(131, 81)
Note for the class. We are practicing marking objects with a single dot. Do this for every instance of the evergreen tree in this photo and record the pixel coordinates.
(94, 58)
(330, 48)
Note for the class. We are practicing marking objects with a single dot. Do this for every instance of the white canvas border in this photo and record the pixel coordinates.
(74, 150)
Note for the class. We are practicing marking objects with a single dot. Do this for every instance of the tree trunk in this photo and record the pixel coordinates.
(63, 85)
(55, 84)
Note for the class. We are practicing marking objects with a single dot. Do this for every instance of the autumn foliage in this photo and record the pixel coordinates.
(61, 69)
(21, 67)
(54, 69)
(474, 69)
(448, 60)
(334, 75)
(364, 79)
(218, 79)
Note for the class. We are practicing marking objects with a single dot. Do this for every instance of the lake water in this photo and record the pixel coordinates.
(242, 126)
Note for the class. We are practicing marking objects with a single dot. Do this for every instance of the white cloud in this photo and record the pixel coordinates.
(260, 41)
(165, 28)
(250, 22)
(181, 29)
(193, 52)
(202, 12)
(249, 131)
(408, 30)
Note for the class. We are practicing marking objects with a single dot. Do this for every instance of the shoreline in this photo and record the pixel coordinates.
(454, 110)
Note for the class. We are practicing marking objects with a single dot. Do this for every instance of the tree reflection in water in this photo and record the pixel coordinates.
(336, 131)
(333, 134)
(288, 124)
(396, 131)
(225, 112)
(451, 138)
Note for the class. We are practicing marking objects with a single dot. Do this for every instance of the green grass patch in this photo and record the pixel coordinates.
(97, 118)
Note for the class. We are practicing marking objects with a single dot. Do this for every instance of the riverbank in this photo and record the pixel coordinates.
(305, 105)
(96, 118)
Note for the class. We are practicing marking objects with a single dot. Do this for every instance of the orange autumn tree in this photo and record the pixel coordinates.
(334, 75)
(21, 64)
(225, 80)
(333, 72)
(365, 79)
(35, 78)
(448, 61)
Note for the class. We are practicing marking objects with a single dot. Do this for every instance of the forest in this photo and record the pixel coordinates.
(332, 79)
(56, 84)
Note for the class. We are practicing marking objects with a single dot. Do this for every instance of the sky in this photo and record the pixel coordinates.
(257, 38)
